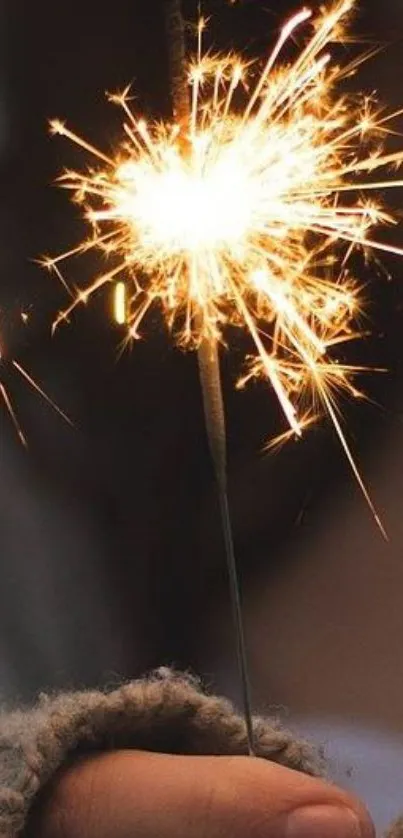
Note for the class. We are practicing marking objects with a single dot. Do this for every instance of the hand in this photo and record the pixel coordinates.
(138, 794)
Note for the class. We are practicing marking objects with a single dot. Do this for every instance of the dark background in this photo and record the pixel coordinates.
(110, 545)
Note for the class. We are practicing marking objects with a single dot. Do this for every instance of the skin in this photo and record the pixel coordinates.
(137, 794)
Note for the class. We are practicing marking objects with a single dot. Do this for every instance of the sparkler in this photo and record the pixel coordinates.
(246, 213)
(210, 375)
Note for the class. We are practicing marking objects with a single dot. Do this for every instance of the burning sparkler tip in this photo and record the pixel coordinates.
(250, 221)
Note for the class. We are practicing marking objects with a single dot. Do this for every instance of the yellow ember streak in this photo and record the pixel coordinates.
(119, 307)
(249, 216)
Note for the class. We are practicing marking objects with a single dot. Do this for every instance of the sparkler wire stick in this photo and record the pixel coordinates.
(210, 377)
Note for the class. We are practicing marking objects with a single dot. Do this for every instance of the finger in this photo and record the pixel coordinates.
(137, 794)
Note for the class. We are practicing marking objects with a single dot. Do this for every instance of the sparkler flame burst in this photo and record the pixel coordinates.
(247, 216)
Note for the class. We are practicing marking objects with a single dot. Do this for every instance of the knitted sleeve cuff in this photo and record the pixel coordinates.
(166, 712)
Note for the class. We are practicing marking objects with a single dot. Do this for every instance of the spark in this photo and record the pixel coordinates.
(4, 394)
(7, 362)
(249, 215)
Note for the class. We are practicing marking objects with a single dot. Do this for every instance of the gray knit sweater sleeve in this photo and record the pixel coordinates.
(165, 711)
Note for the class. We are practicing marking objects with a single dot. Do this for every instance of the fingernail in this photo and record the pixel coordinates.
(323, 822)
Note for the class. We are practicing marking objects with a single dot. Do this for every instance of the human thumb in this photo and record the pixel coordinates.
(138, 794)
